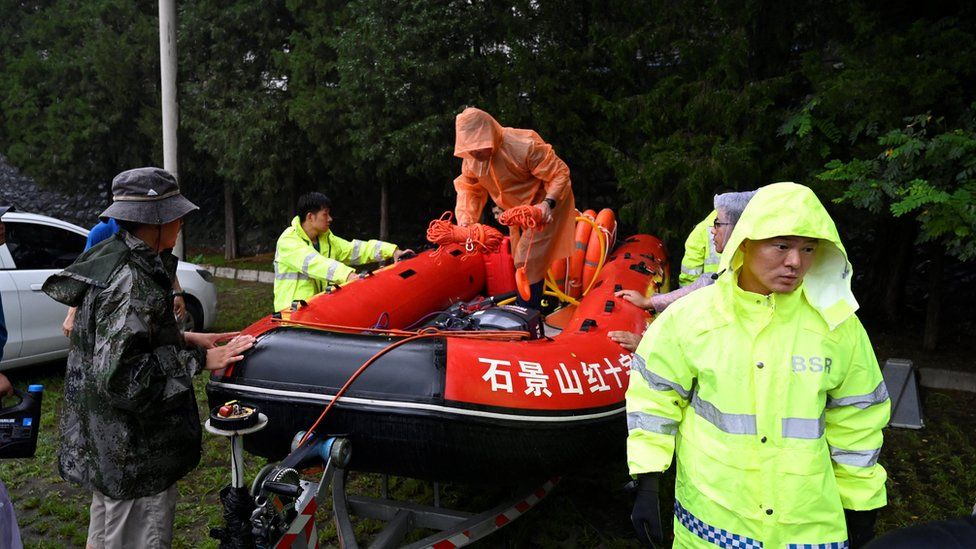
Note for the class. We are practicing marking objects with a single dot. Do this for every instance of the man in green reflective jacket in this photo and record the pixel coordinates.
(129, 425)
(766, 387)
(700, 256)
(309, 255)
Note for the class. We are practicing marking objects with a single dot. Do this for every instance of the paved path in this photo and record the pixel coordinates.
(248, 275)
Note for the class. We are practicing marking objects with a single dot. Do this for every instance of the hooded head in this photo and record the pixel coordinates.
(788, 209)
(475, 130)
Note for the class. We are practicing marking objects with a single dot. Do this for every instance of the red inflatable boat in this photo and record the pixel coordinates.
(488, 392)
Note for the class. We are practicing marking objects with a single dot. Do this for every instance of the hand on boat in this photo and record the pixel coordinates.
(634, 297)
(353, 276)
(223, 356)
(403, 254)
(627, 340)
(208, 341)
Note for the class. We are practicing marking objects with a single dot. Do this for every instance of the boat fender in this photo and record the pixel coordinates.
(522, 283)
(574, 284)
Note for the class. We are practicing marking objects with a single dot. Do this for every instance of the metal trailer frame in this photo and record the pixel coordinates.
(454, 528)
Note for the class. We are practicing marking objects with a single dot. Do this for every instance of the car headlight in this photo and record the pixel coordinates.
(206, 275)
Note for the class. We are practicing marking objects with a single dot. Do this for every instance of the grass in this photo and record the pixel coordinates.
(930, 471)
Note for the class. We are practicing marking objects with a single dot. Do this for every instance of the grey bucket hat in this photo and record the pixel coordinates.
(147, 195)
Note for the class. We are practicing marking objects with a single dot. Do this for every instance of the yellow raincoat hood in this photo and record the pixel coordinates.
(788, 209)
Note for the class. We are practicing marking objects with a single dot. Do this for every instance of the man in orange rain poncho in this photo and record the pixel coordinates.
(516, 168)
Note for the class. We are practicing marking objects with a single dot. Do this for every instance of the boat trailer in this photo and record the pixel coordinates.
(279, 509)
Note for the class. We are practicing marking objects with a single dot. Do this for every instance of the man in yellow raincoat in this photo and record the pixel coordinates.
(766, 387)
(309, 255)
(700, 254)
(515, 167)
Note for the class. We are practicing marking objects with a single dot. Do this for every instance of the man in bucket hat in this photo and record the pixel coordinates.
(130, 427)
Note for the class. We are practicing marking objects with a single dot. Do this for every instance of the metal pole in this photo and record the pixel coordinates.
(171, 115)
(237, 461)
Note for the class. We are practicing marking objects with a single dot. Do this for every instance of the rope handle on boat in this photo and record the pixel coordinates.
(422, 334)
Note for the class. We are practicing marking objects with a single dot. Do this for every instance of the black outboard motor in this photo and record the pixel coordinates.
(484, 315)
(19, 424)
(512, 318)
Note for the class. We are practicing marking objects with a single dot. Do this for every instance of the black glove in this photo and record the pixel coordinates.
(646, 515)
(860, 526)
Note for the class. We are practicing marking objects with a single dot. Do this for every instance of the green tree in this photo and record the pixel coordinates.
(235, 105)
(876, 68)
(926, 171)
(386, 87)
(711, 82)
(79, 89)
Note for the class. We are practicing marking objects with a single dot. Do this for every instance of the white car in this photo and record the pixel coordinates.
(39, 246)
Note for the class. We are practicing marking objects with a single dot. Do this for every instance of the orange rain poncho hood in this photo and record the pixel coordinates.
(522, 170)
(475, 129)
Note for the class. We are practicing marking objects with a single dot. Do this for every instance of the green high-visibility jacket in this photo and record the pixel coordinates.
(774, 404)
(301, 271)
(700, 255)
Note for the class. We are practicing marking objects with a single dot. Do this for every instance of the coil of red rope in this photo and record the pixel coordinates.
(523, 217)
(475, 237)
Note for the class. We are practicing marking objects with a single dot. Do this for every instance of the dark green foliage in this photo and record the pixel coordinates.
(652, 104)
(929, 177)
(376, 88)
(235, 101)
(704, 114)
(79, 85)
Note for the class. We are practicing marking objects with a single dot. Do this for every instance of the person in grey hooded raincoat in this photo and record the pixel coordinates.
(130, 426)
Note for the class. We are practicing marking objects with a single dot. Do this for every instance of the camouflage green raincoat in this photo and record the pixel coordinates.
(129, 424)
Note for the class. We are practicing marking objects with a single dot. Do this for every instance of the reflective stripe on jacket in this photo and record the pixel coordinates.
(700, 255)
(301, 271)
(774, 412)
